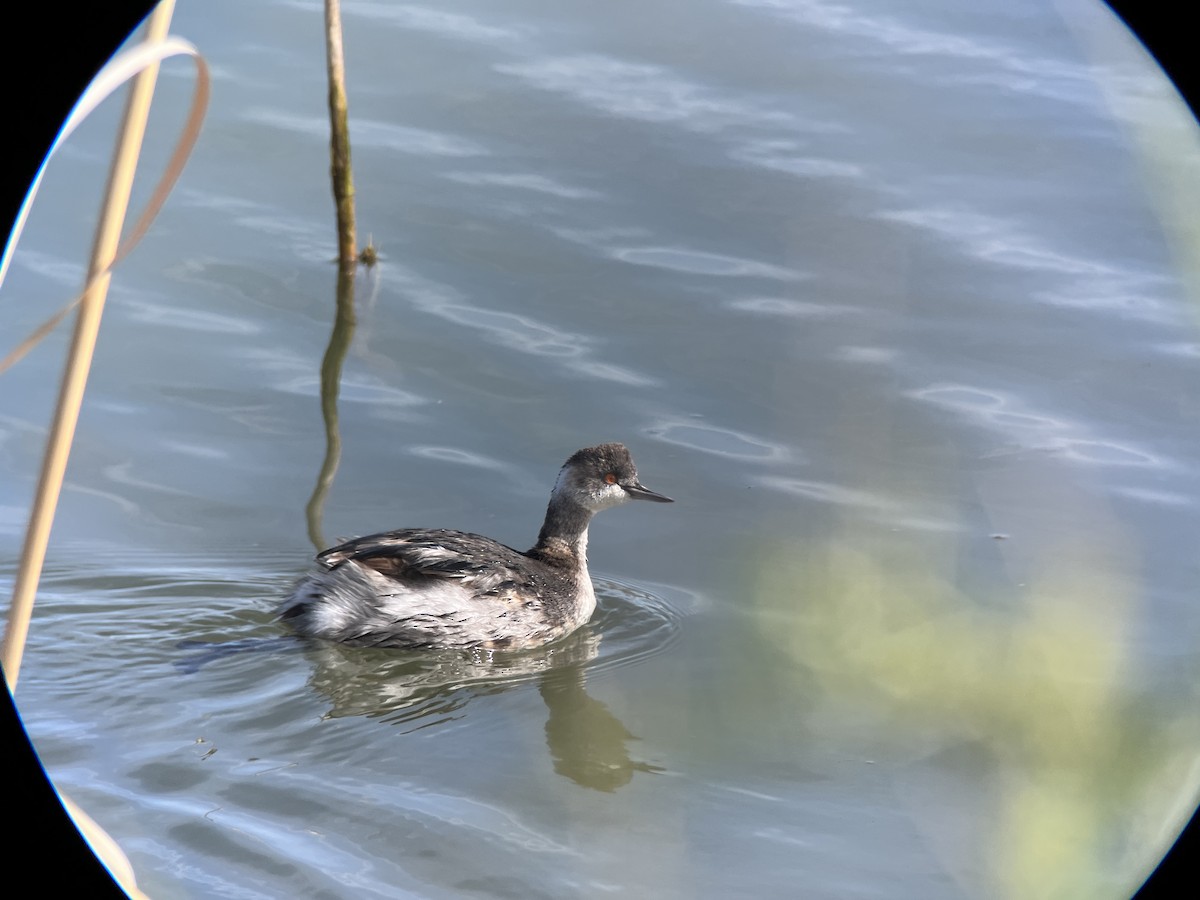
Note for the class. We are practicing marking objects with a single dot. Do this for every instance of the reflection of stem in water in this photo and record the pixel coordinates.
(586, 741)
(331, 376)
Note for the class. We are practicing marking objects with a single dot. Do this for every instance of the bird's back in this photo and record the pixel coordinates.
(422, 587)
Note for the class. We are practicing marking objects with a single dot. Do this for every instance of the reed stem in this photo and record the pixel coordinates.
(79, 359)
(339, 136)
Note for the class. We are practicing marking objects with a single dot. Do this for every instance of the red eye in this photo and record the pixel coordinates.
(610, 478)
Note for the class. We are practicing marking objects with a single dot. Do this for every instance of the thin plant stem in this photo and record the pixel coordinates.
(79, 358)
(339, 136)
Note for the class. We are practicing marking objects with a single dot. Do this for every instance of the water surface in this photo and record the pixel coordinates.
(887, 296)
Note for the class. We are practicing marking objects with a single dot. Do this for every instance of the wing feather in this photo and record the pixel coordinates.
(410, 555)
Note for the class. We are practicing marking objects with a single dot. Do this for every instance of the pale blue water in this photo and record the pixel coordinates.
(890, 297)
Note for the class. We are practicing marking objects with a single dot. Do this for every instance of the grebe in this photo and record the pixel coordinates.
(432, 587)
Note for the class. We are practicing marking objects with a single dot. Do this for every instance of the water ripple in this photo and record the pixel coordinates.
(1016, 70)
(999, 411)
(784, 155)
(306, 237)
(189, 319)
(720, 441)
(827, 493)
(1180, 348)
(60, 271)
(524, 182)
(699, 262)
(368, 133)
(871, 356)
(1085, 283)
(635, 623)
(885, 510)
(644, 92)
(432, 21)
(785, 306)
(459, 457)
(612, 372)
(354, 390)
(520, 333)
(1156, 497)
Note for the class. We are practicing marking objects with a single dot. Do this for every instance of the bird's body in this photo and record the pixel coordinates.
(422, 587)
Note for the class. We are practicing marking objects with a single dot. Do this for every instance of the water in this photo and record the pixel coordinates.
(891, 298)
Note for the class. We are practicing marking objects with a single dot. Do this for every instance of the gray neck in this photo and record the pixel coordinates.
(564, 533)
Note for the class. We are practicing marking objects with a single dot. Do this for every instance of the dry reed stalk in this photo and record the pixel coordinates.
(339, 136)
(79, 358)
(107, 249)
(62, 430)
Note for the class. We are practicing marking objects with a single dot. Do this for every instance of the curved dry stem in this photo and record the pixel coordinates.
(116, 73)
(107, 250)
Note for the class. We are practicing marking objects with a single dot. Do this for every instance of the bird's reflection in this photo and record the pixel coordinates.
(586, 741)
(588, 744)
